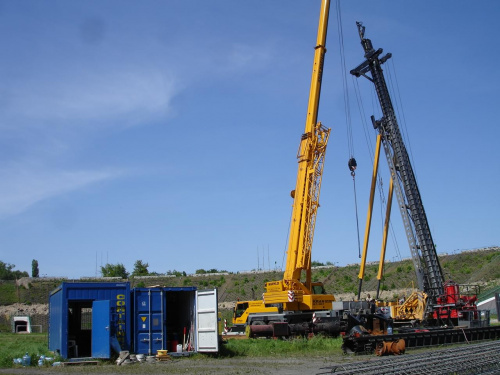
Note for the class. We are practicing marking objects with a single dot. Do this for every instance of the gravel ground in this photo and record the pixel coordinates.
(209, 366)
(203, 365)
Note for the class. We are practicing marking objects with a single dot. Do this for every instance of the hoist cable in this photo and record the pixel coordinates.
(369, 143)
(361, 111)
(404, 128)
(356, 210)
(287, 236)
(401, 114)
(395, 242)
(395, 94)
(350, 143)
(347, 109)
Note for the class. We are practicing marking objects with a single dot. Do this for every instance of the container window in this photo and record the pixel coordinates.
(86, 319)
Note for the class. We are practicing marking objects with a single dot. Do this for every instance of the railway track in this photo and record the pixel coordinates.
(476, 358)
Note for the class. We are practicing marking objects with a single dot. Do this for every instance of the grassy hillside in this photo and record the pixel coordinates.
(477, 267)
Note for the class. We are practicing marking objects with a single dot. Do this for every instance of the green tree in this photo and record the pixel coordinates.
(140, 268)
(114, 270)
(7, 272)
(34, 268)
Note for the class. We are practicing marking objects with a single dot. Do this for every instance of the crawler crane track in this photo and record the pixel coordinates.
(481, 358)
(367, 344)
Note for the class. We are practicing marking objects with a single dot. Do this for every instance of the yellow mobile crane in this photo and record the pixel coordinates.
(292, 301)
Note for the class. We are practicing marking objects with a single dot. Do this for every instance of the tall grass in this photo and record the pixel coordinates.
(8, 292)
(14, 345)
(35, 344)
(317, 345)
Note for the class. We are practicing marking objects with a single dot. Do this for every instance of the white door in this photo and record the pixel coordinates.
(207, 335)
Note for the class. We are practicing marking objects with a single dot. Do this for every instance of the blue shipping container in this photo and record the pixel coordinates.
(87, 319)
(163, 319)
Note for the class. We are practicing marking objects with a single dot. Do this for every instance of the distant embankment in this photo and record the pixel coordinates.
(477, 266)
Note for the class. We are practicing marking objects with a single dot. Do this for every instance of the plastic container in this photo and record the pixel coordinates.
(179, 348)
(26, 360)
(41, 360)
(174, 344)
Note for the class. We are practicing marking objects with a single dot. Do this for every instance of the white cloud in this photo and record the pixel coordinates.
(85, 98)
(243, 56)
(23, 186)
(46, 115)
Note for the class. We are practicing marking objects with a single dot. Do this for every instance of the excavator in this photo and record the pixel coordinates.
(288, 305)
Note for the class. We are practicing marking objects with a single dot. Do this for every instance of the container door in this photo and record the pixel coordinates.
(149, 321)
(207, 335)
(101, 347)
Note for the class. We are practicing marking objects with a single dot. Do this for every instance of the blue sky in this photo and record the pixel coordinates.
(167, 131)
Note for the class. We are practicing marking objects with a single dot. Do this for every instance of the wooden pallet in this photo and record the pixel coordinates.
(163, 357)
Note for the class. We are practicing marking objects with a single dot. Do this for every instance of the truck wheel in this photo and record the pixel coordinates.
(258, 323)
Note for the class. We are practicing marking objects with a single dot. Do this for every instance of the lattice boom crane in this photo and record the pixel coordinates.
(423, 251)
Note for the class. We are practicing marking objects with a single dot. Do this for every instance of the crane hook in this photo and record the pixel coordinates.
(352, 166)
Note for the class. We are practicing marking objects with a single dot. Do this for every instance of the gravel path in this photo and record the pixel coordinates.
(445, 359)
(203, 365)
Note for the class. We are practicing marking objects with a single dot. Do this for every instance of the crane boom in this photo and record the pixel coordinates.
(437, 303)
(292, 302)
(423, 251)
(311, 157)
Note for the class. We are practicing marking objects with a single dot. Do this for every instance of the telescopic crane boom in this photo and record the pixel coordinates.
(311, 156)
(295, 298)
